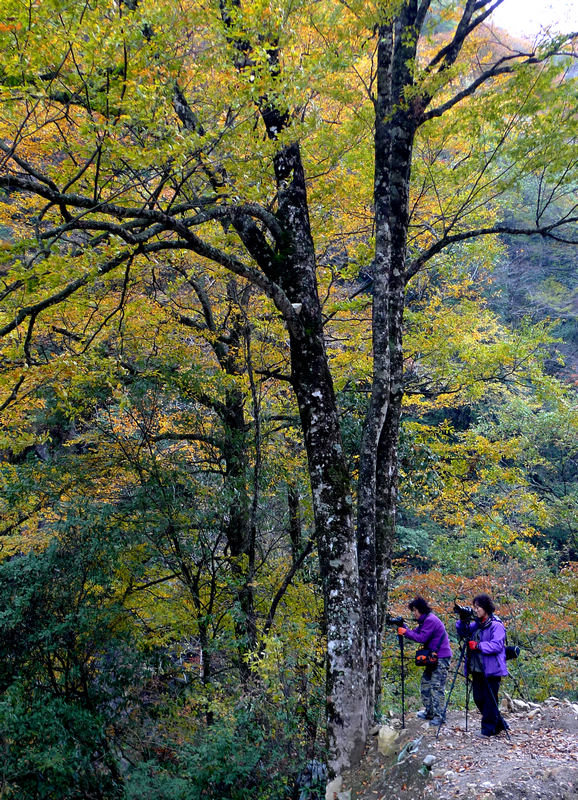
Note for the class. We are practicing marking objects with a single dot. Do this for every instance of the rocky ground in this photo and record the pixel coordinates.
(538, 762)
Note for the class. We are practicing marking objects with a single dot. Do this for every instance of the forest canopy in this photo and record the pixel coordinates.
(288, 327)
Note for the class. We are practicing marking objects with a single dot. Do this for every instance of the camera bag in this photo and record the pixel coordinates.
(512, 651)
(426, 657)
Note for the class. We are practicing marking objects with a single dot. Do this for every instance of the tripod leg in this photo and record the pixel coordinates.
(455, 675)
(402, 682)
(517, 687)
(468, 687)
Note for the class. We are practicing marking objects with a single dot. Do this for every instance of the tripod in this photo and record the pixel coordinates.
(399, 623)
(461, 659)
(400, 640)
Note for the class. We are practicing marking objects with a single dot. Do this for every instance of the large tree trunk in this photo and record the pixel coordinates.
(393, 143)
(347, 706)
(347, 714)
(377, 411)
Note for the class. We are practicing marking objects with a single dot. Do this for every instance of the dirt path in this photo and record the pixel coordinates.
(538, 762)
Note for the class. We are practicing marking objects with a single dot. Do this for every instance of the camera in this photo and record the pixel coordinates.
(397, 621)
(466, 613)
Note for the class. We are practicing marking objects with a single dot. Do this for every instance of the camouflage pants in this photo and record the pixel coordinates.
(433, 684)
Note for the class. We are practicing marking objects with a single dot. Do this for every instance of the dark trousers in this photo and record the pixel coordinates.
(485, 690)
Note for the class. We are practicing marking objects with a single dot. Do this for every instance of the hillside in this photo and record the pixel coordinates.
(539, 761)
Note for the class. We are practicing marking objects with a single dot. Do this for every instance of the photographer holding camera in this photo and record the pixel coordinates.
(431, 634)
(486, 661)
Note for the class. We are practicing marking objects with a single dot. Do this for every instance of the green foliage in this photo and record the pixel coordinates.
(241, 762)
(66, 659)
(57, 618)
(413, 545)
(53, 749)
(248, 753)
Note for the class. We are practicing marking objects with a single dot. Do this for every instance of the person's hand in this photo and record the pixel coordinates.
(401, 631)
(473, 645)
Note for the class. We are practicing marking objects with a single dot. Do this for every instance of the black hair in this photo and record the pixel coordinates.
(420, 604)
(485, 601)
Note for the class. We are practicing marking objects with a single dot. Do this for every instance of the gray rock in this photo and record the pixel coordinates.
(439, 772)
(333, 788)
(386, 739)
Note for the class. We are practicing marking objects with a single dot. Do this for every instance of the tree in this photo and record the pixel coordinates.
(67, 651)
(134, 131)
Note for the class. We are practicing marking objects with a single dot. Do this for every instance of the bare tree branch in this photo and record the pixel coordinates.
(548, 231)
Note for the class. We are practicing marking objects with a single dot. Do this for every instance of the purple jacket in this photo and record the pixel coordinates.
(491, 637)
(430, 632)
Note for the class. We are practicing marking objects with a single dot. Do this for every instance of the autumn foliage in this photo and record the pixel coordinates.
(265, 369)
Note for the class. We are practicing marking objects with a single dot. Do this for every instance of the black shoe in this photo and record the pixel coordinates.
(424, 715)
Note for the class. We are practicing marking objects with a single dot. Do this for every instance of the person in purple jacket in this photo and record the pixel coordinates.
(486, 661)
(430, 633)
